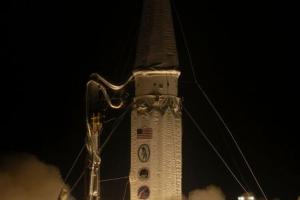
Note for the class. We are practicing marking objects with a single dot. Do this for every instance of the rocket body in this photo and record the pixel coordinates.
(156, 134)
(155, 172)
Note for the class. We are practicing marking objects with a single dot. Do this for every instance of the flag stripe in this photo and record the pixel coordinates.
(144, 133)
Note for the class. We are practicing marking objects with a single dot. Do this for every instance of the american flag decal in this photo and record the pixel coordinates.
(144, 133)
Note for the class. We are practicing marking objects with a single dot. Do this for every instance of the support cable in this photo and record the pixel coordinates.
(109, 120)
(114, 179)
(213, 107)
(115, 126)
(125, 190)
(74, 163)
(77, 181)
(214, 148)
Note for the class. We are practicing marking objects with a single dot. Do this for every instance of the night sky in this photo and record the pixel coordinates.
(245, 59)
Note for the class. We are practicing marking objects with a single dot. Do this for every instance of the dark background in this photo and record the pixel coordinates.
(245, 59)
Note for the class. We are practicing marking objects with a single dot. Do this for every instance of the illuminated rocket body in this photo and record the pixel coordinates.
(156, 131)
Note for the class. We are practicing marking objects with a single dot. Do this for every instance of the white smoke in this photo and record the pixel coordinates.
(211, 192)
(24, 177)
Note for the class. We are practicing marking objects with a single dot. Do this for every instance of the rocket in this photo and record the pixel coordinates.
(156, 127)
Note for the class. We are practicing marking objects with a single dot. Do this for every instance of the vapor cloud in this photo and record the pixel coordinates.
(24, 177)
(209, 193)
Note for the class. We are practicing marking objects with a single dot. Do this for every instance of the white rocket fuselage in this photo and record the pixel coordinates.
(156, 136)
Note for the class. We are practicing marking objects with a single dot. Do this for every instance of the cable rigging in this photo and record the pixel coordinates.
(125, 190)
(99, 84)
(212, 105)
(115, 126)
(77, 181)
(214, 148)
(74, 163)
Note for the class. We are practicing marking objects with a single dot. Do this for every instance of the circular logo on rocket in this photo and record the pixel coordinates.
(143, 192)
(143, 174)
(144, 153)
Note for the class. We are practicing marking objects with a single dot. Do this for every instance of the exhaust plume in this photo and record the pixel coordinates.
(211, 192)
(24, 177)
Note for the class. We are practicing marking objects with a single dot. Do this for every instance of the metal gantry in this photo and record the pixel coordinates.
(92, 145)
(94, 129)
